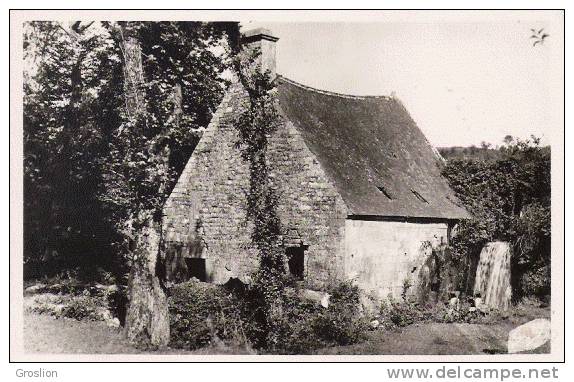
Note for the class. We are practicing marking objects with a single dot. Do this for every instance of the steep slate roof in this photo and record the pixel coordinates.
(372, 151)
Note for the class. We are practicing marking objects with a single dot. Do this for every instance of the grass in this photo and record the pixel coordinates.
(47, 334)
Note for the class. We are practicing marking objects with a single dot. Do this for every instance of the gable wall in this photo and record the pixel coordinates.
(209, 192)
(212, 189)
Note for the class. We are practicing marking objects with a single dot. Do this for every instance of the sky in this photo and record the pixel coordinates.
(464, 80)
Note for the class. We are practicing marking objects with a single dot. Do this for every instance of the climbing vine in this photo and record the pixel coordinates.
(255, 124)
(258, 120)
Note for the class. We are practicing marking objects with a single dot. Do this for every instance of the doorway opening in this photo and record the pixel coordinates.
(196, 268)
(296, 261)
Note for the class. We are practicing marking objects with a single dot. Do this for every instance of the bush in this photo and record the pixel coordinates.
(536, 282)
(202, 313)
(342, 323)
(65, 295)
(401, 313)
(84, 307)
(306, 326)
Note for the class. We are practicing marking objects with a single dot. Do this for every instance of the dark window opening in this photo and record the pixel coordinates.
(296, 261)
(385, 192)
(196, 268)
(419, 196)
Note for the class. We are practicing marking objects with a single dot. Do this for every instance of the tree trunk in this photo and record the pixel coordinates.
(147, 318)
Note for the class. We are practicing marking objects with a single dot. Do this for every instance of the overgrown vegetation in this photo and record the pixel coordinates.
(203, 314)
(399, 313)
(255, 124)
(509, 198)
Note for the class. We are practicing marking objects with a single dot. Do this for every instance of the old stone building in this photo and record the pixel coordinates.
(360, 191)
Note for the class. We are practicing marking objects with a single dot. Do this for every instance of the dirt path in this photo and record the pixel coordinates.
(434, 338)
(431, 338)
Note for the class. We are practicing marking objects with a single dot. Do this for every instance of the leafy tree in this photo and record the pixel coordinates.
(112, 112)
(75, 133)
(63, 226)
(509, 198)
(169, 99)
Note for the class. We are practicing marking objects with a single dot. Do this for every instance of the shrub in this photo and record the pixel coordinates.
(294, 331)
(84, 307)
(306, 326)
(342, 323)
(201, 313)
(536, 282)
(401, 313)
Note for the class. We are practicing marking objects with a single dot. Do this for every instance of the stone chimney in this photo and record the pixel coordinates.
(263, 40)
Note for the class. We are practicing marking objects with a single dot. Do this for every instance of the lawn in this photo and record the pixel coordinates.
(46, 334)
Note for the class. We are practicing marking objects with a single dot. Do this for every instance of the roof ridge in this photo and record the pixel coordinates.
(326, 92)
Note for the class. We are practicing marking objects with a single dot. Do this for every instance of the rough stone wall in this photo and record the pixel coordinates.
(310, 208)
(208, 204)
(381, 255)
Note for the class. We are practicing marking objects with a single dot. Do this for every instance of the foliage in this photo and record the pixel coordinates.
(401, 313)
(304, 326)
(257, 121)
(88, 169)
(66, 295)
(342, 323)
(80, 307)
(203, 314)
(509, 198)
(536, 282)
(63, 224)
